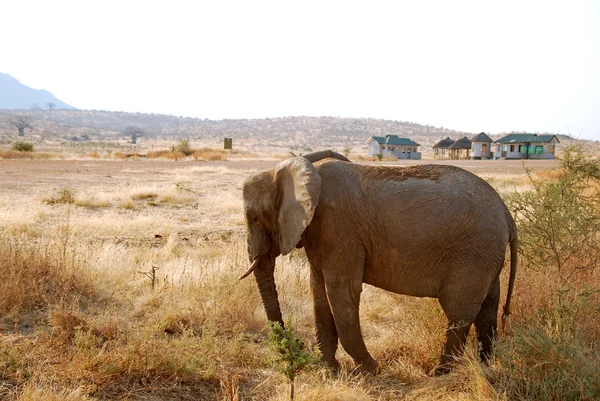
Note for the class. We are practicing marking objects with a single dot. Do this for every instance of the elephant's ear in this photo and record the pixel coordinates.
(299, 186)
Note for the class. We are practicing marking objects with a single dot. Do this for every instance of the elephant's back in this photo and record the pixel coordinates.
(415, 222)
(446, 182)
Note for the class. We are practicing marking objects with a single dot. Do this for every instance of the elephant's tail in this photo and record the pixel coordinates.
(514, 245)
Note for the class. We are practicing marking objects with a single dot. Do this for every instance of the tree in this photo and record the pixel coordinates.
(21, 123)
(50, 106)
(133, 133)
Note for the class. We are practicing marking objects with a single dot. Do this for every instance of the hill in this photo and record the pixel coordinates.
(98, 124)
(14, 96)
(284, 134)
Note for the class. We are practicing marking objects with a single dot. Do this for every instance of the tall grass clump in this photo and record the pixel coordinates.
(37, 275)
(62, 196)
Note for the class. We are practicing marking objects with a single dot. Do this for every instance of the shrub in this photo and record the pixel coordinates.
(559, 220)
(291, 358)
(184, 147)
(23, 146)
(63, 195)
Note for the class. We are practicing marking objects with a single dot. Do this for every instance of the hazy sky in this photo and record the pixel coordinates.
(467, 65)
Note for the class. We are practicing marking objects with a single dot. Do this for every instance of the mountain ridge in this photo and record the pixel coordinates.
(16, 96)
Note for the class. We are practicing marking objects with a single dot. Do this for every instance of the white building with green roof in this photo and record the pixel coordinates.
(393, 146)
(526, 146)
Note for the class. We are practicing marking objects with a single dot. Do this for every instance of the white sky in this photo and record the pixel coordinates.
(467, 65)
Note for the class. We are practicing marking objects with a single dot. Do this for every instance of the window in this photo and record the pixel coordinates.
(512, 148)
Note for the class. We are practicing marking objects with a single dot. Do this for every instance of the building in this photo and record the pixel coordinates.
(442, 148)
(526, 146)
(393, 146)
(457, 148)
(481, 146)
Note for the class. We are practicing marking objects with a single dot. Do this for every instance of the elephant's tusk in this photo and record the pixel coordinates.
(250, 270)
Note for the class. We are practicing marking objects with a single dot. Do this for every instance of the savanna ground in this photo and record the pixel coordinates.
(83, 319)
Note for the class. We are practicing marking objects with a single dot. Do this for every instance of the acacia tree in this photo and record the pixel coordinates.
(50, 106)
(133, 133)
(21, 123)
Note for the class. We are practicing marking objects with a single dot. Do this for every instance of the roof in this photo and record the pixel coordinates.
(444, 143)
(544, 138)
(524, 138)
(462, 143)
(481, 137)
(392, 140)
(379, 139)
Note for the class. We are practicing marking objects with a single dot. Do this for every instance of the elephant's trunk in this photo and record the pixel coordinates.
(264, 275)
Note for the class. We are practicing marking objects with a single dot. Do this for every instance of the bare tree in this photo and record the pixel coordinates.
(21, 123)
(133, 133)
(50, 106)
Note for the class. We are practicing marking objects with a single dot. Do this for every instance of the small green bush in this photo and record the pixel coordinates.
(23, 146)
(291, 357)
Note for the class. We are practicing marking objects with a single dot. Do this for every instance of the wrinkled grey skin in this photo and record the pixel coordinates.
(427, 231)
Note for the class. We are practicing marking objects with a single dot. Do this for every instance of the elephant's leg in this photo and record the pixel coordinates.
(486, 321)
(344, 298)
(460, 318)
(327, 336)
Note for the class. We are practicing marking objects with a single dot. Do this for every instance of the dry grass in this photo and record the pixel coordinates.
(80, 320)
(14, 154)
(204, 154)
(209, 154)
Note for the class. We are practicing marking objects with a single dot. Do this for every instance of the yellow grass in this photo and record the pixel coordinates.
(80, 320)
(14, 154)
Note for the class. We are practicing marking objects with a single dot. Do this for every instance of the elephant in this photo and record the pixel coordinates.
(434, 231)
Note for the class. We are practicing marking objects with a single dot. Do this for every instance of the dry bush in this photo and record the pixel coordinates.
(62, 196)
(143, 194)
(94, 155)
